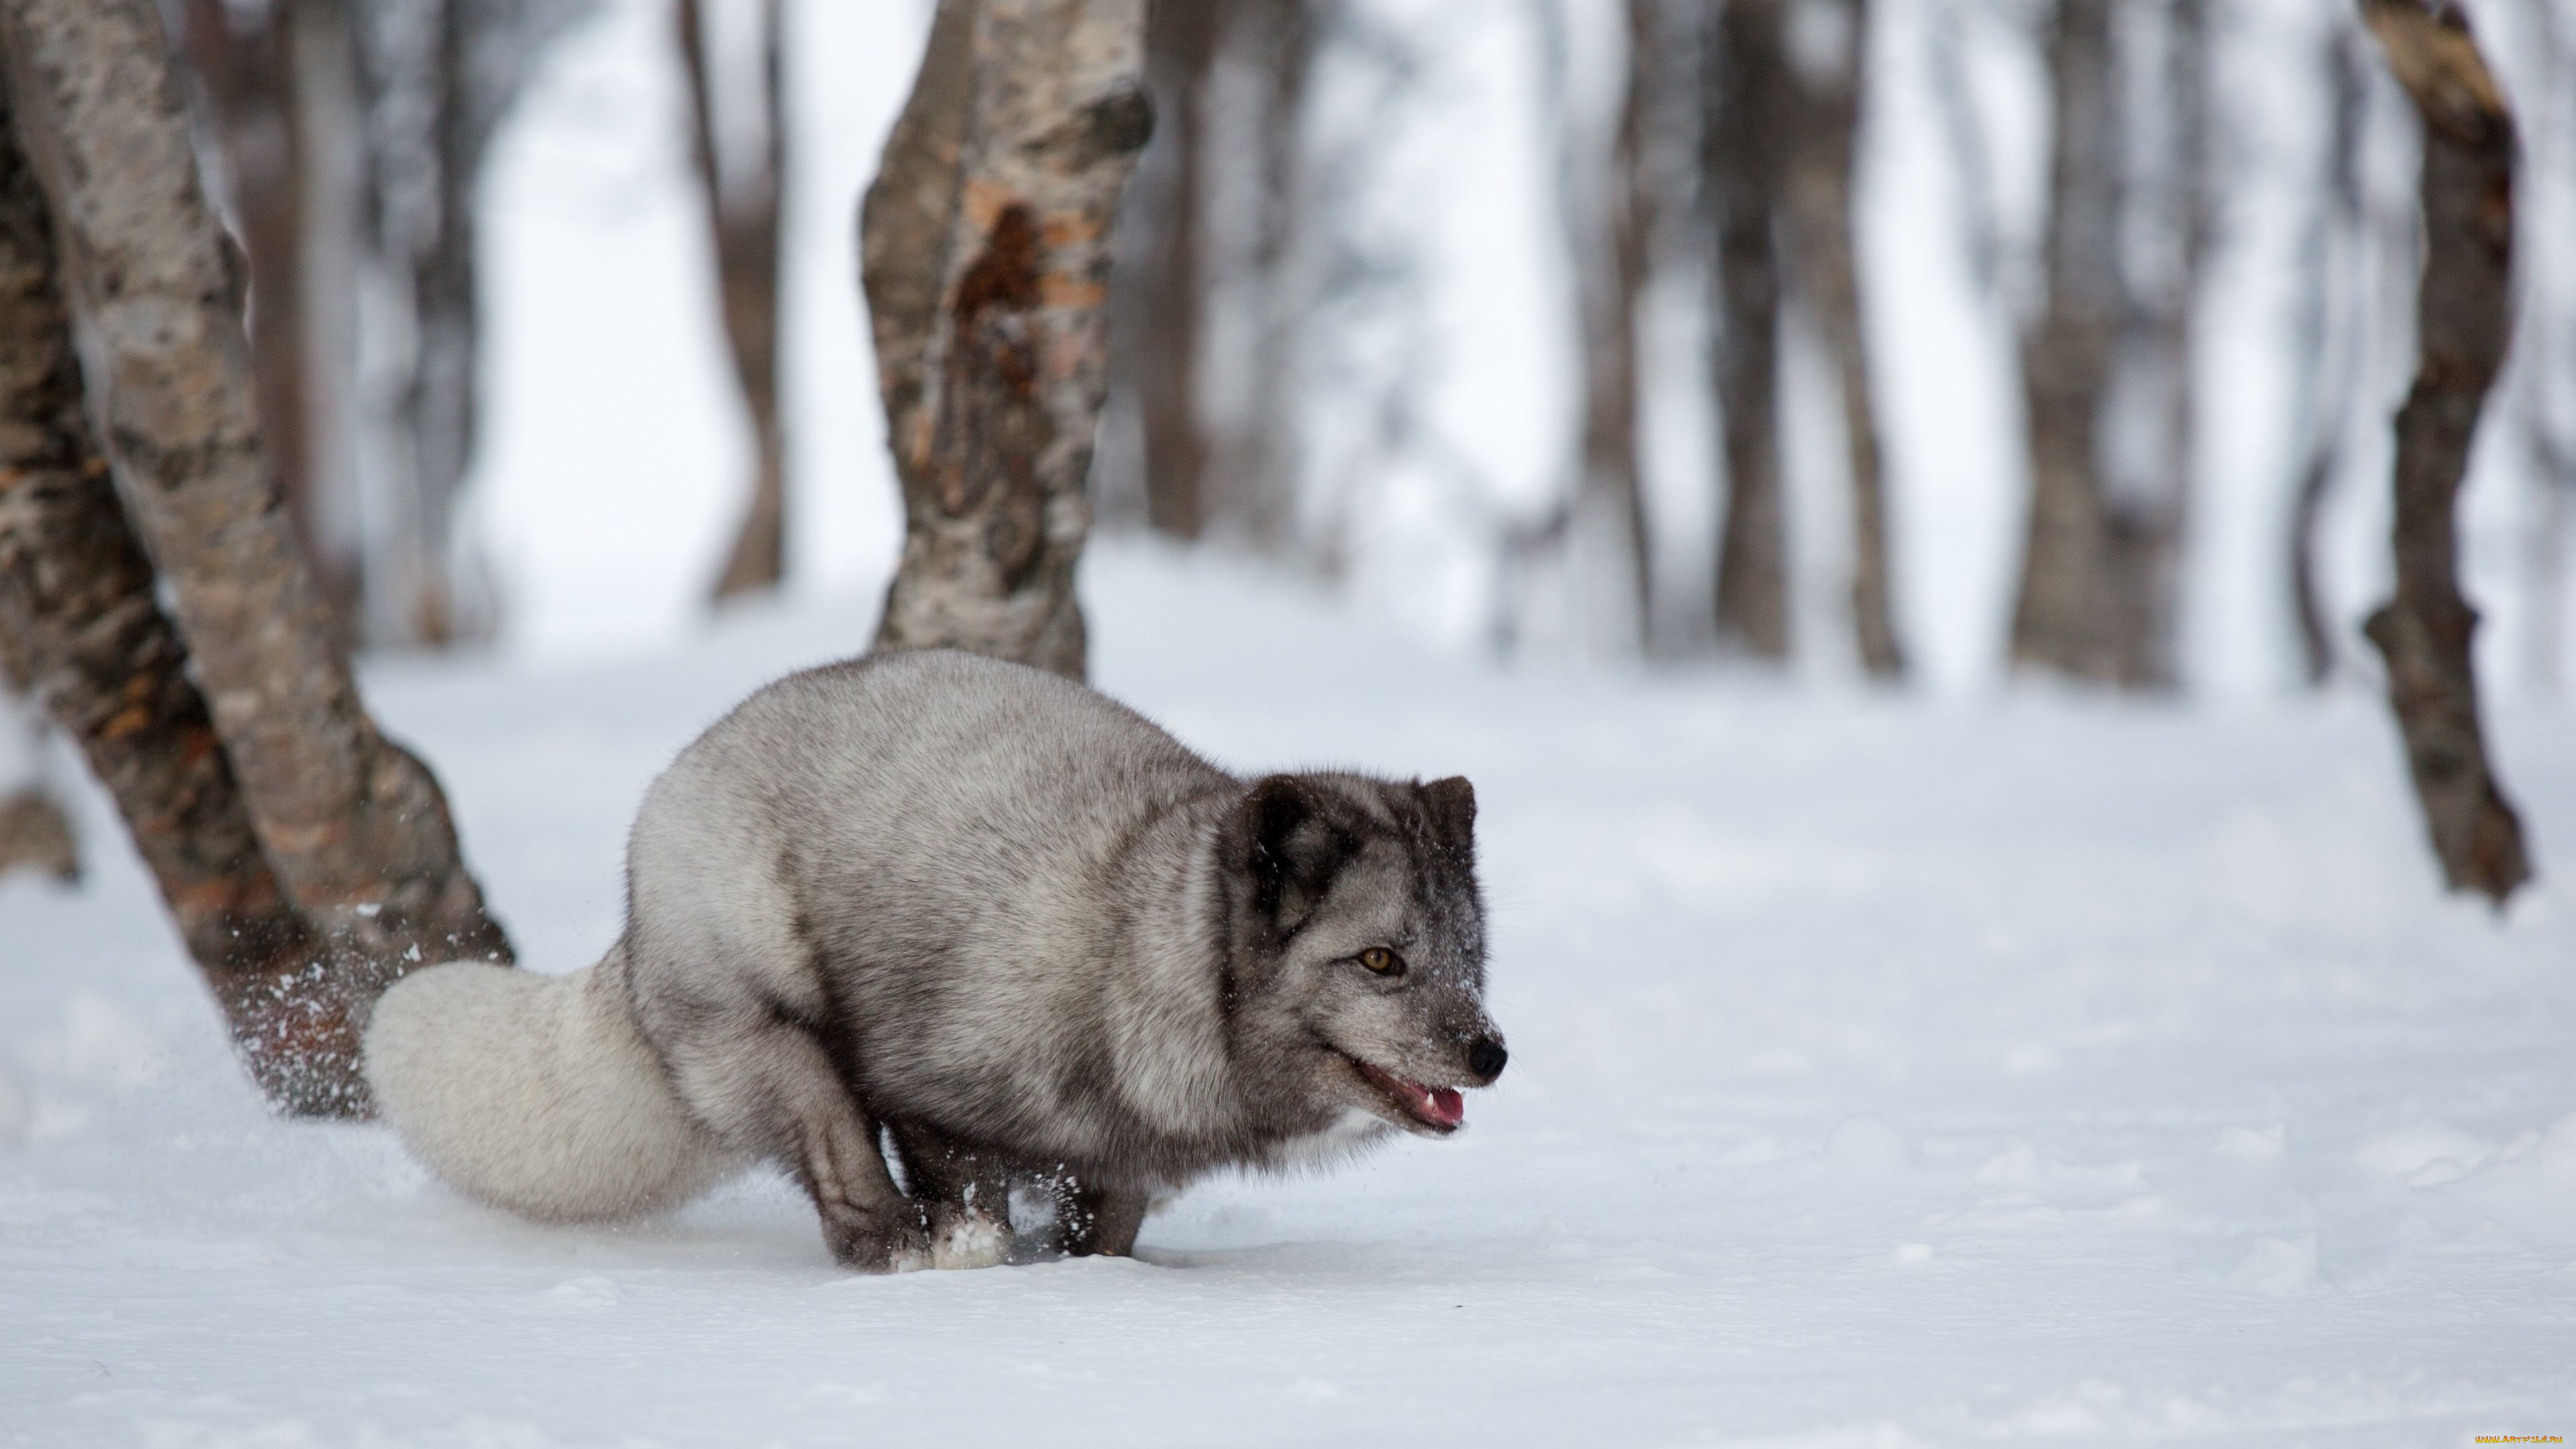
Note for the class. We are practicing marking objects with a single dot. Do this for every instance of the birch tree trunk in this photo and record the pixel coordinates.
(1829, 69)
(355, 828)
(80, 624)
(985, 252)
(1743, 160)
(2464, 317)
(742, 222)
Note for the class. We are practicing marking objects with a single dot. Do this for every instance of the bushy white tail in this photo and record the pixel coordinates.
(536, 1093)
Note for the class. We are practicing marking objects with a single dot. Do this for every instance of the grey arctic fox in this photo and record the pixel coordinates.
(989, 915)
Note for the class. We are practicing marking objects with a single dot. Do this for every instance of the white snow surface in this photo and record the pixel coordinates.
(1884, 1072)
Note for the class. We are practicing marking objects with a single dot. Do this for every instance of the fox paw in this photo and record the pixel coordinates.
(874, 1243)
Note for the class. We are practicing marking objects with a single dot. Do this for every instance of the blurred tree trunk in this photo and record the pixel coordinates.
(1829, 72)
(80, 626)
(742, 220)
(2147, 518)
(1609, 224)
(1746, 102)
(434, 79)
(985, 251)
(35, 834)
(2332, 344)
(438, 404)
(2464, 318)
(355, 828)
(1259, 472)
(1163, 281)
(2066, 618)
(244, 65)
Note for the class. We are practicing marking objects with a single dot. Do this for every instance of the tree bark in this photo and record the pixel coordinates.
(991, 413)
(742, 221)
(2464, 317)
(1747, 102)
(2063, 618)
(355, 828)
(80, 623)
(1823, 132)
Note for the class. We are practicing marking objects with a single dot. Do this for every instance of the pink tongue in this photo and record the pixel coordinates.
(1447, 1107)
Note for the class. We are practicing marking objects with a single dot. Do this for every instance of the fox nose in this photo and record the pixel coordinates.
(1486, 1058)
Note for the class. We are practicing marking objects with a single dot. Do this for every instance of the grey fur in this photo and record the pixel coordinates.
(1011, 923)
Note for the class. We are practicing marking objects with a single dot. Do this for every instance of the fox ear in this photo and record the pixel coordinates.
(1452, 803)
(1292, 848)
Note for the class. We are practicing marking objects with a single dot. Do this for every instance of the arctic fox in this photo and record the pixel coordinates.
(991, 915)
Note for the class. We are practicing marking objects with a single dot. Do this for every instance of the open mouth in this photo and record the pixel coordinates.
(1439, 1108)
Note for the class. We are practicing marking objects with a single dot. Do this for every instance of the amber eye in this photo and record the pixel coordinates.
(1382, 961)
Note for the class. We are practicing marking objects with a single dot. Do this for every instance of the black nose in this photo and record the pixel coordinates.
(1486, 1058)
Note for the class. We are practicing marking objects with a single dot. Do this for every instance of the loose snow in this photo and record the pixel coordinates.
(1884, 1072)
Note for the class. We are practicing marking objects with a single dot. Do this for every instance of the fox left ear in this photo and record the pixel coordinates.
(1452, 803)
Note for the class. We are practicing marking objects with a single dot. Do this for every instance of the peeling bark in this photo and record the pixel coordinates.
(998, 368)
(1823, 136)
(742, 221)
(1743, 146)
(2464, 318)
(355, 828)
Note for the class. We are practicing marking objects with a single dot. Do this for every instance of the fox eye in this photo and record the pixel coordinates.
(1382, 961)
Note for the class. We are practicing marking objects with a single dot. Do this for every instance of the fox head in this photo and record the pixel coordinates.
(1357, 969)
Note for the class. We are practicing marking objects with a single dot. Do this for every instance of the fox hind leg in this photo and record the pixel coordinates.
(772, 1088)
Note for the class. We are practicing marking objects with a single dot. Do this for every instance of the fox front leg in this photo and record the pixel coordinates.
(965, 1196)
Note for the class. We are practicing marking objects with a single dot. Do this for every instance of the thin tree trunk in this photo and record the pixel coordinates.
(2143, 546)
(2330, 354)
(1286, 37)
(1610, 222)
(742, 221)
(2060, 620)
(435, 599)
(1166, 284)
(1747, 104)
(2464, 318)
(1823, 139)
(992, 432)
(355, 828)
(80, 624)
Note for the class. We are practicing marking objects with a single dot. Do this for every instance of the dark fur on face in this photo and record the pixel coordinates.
(1358, 945)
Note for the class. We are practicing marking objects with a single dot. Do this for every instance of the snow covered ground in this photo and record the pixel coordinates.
(1884, 1072)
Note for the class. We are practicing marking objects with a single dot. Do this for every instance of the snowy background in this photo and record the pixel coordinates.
(1963, 1065)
